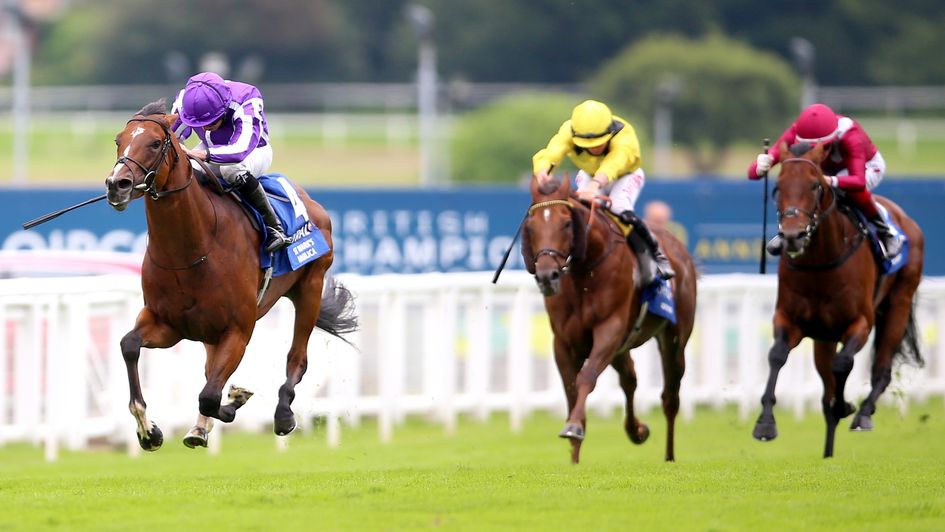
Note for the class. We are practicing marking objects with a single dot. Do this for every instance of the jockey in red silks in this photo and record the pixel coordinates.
(853, 164)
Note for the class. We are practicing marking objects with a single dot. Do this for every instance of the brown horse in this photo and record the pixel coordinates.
(830, 289)
(201, 276)
(592, 287)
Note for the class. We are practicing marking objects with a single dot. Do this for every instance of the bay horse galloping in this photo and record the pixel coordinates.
(593, 292)
(201, 276)
(831, 289)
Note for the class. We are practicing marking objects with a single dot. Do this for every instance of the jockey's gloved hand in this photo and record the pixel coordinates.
(763, 164)
(832, 180)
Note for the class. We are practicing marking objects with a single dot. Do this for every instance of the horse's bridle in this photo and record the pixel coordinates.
(554, 253)
(815, 216)
(147, 185)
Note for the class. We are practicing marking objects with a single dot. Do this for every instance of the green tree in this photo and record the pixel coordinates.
(495, 143)
(720, 91)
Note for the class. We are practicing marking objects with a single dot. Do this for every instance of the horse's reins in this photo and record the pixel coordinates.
(147, 185)
(815, 217)
(555, 254)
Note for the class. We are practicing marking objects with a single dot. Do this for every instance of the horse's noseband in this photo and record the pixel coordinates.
(563, 261)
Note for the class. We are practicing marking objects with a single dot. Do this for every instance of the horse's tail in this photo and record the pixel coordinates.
(908, 349)
(337, 315)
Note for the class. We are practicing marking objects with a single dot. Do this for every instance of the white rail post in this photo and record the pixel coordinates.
(479, 360)
(519, 355)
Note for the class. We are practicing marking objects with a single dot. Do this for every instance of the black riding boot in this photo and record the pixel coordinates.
(250, 189)
(664, 270)
(891, 242)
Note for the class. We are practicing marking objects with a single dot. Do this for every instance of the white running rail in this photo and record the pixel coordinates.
(434, 345)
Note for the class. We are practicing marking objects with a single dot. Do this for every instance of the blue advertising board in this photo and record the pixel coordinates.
(461, 229)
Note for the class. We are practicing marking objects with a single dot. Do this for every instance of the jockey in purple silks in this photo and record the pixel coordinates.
(234, 138)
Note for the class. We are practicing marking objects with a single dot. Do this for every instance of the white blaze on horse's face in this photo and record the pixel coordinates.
(138, 130)
(546, 214)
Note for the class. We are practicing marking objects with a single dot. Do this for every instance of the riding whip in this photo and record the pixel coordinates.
(46, 217)
(764, 219)
(508, 251)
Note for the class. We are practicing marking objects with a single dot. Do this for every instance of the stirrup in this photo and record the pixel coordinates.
(773, 247)
(892, 245)
(664, 270)
(276, 240)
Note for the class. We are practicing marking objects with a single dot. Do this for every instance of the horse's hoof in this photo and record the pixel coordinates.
(283, 427)
(238, 396)
(153, 440)
(862, 423)
(765, 430)
(572, 431)
(197, 437)
(643, 432)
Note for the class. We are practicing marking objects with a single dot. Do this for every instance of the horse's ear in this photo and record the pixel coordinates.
(565, 186)
(817, 154)
(784, 151)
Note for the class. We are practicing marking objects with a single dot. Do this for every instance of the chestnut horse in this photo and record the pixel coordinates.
(201, 276)
(592, 286)
(831, 289)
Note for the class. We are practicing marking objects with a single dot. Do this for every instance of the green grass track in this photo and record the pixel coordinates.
(485, 478)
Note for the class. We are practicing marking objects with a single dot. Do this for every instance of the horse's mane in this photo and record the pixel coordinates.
(158, 107)
(549, 187)
(800, 148)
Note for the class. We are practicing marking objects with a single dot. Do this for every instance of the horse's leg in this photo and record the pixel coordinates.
(889, 330)
(607, 338)
(222, 360)
(148, 332)
(824, 353)
(307, 307)
(568, 366)
(841, 364)
(672, 354)
(786, 338)
(636, 431)
(200, 432)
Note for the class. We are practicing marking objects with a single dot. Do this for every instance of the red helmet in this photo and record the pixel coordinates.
(817, 123)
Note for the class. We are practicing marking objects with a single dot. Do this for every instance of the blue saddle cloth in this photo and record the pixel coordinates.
(658, 297)
(891, 265)
(308, 243)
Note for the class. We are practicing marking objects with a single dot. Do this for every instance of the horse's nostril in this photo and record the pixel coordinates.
(554, 275)
(124, 183)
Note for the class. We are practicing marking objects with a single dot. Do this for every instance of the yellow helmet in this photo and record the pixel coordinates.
(592, 124)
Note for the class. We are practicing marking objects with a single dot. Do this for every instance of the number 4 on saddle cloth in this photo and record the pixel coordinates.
(308, 243)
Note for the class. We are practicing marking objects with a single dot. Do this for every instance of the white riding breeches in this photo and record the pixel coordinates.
(623, 192)
(875, 171)
(256, 163)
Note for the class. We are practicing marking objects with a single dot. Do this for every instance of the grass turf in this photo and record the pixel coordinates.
(484, 477)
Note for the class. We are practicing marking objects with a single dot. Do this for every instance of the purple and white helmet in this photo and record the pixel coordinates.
(206, 98)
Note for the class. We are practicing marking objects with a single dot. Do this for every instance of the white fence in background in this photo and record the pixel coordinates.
(435, 345)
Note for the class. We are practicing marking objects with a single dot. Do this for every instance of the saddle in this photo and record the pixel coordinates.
(643, 254)
(209, 177)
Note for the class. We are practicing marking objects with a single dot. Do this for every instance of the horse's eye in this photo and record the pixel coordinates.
(567, 224)
(155, 145)
(118, 143)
